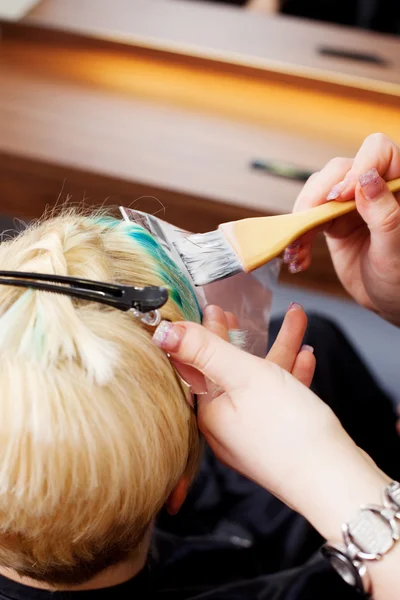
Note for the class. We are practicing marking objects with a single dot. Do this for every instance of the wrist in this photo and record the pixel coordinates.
(335, 493)
(369, 556)
(385, 575)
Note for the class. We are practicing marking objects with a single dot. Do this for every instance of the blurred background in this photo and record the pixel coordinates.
(378, 15)
(200, 112)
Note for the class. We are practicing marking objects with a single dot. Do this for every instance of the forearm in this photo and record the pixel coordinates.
(335, 484)
(351, 483)
(385, 575)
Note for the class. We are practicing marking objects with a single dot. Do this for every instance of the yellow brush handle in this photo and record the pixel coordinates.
(394, 185)
(331, 210)
(309, 219)
(258, 240)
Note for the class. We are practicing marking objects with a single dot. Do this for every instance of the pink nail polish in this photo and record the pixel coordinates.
(290, 255)
(295, 267)
(307, 348)
(371, 184)
(168, 336)
(337, 190)
(294, 306)
(293, 246)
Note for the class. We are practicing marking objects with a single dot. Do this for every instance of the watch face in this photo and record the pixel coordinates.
(344, 567)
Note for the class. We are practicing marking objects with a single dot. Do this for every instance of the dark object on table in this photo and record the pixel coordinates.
(281, 169)
(363, 57)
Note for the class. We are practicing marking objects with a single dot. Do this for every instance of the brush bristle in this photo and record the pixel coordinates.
(208, 257)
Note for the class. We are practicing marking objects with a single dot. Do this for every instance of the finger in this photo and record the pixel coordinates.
(381, 212)
(320, 185)
(233, 322)
(327, 184)
(193, 345)
(377, 151)
(303, 253)
(305, 240)
(304, 366)
(292, 252)
(290, 338)
(301, 242)
(190, 377)
(215, 320)
(298, 258)
(301, 249)
(302, 263)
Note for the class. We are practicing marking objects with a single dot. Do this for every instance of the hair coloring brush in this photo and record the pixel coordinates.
(250, 243)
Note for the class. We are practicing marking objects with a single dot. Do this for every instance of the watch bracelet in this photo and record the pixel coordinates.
(356, 555)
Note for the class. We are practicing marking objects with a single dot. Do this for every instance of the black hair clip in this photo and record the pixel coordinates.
(144, 302)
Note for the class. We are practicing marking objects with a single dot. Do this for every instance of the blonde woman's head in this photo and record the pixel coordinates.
(95, 430)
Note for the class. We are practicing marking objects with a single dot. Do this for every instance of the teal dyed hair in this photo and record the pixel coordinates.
(177, 284)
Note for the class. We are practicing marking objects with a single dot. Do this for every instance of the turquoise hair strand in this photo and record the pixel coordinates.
(179, 288)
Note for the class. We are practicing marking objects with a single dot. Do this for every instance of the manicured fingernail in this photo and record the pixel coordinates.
(168, 336)
(371, 184)
(295, 267)
(293, 246)
(294, 306)
(307, 348)
(290, 255)
(337, 190)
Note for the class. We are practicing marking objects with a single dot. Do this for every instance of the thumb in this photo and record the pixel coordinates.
(379, 209)
(193, 345)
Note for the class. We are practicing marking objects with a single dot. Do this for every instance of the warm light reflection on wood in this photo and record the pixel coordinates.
(314, 113)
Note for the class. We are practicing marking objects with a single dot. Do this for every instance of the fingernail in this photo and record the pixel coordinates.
(290, 255)
(307, 348)
(337, 190)
(295, 267)
(293, 246)
(371, 184)
(294, 306)
(168, 336)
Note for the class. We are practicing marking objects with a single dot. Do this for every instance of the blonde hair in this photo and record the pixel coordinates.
(95, 429)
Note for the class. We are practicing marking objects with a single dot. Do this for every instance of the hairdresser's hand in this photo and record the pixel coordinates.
(365, 246)
(287, 351)
(264, 423)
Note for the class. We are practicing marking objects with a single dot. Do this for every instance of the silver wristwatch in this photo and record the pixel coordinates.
(368, 537)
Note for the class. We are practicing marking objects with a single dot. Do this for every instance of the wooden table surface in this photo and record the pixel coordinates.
(123, 118)
(215, 32)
